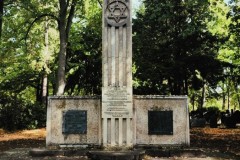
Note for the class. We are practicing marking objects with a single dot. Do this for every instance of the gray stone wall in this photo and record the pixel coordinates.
(56, 107)
(141, 106)
(177, 104)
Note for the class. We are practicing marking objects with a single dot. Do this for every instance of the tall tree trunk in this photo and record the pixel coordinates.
(203, 95)
(228, 93)
(224, 101)
(38, 90)
(46, 58)
(237, 94)
(193, 101)
(65, 23)
(1, 18)
(223, 98)
(61, 80)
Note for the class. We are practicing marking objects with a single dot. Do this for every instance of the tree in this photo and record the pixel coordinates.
(234, 45)
(1, 17)
(229, 51)
(65, 16)
(65, 22)
(84, 53)
(22, 58)
(30, 45)
(179, 46)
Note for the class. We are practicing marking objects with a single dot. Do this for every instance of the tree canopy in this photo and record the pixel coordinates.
(181, 47)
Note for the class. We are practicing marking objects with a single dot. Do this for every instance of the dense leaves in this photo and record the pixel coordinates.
(179, 48)
(17, 113)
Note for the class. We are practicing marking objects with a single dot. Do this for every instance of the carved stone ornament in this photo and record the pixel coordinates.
(117, 13)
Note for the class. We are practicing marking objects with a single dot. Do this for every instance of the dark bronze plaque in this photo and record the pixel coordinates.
(74, 122)
(160, 122)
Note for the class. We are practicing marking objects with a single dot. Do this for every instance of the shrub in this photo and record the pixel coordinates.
(16, 113)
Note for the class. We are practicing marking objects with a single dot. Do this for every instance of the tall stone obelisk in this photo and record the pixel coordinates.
(117, 99)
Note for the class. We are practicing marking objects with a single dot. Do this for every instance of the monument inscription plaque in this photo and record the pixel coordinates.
(117, 102)
(160, 122)
(74, 122)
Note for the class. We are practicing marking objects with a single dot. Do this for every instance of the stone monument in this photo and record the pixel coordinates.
(117, 118)
(117, 99)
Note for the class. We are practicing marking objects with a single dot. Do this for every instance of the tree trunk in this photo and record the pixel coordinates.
(61, 80)
(193, 101)
(224, 101)
(64, 29)
(203, 95)
(228, 94)
(237, 94)
(45, 76)
(1, 18)
(38, 90)
(223, 98)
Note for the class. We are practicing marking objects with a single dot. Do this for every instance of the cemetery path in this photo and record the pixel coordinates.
(222, 143)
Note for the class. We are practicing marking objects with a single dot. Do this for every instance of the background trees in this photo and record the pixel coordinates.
(185, 40)
(180, 47)
(31, 45)
(1, 15)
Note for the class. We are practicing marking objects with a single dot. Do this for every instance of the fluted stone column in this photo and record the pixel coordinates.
(117, 103)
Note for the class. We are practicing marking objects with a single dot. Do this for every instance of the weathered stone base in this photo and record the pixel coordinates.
(161, 153)
(56, 152)
(142, 105)
(117, 155)
(57, 106)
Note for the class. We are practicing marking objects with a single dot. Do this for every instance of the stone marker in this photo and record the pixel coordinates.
(117, 103)
(117, 119)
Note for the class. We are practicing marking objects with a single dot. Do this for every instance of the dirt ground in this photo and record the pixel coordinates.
(219, 140)
(22, 139)
(223, 140)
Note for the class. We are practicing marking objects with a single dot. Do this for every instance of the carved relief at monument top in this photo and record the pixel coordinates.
(117, 13)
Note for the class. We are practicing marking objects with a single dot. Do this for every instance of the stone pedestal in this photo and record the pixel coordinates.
(85, 108)
(169, 111)
(117, 119)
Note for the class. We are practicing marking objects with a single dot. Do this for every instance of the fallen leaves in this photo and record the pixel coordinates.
(22, 139)
(221, 139)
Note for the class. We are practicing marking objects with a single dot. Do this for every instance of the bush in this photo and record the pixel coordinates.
(16, 113)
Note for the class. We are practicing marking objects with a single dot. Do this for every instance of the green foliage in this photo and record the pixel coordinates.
(84, 53)
(213, 109)
(179, 48)
(17, 113)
